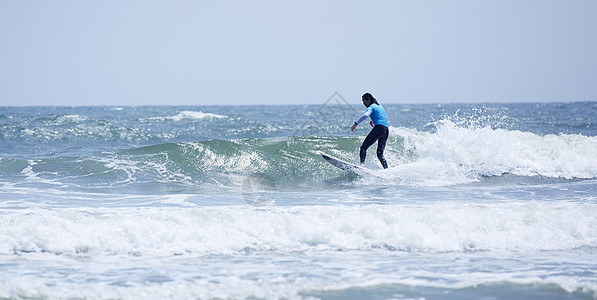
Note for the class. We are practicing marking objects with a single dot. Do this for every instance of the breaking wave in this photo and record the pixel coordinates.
(451, 155)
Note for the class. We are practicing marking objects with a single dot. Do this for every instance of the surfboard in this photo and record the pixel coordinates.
(346, 166)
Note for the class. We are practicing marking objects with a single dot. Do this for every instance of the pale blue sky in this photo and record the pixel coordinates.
(277, 52)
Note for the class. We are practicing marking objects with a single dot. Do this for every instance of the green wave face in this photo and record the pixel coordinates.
(294, 161)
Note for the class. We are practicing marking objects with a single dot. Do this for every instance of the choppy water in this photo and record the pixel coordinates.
(485, 200)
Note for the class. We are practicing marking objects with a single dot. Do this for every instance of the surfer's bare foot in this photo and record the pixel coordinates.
(362, 165)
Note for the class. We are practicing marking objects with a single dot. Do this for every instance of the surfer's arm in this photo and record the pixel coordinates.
(363, 118)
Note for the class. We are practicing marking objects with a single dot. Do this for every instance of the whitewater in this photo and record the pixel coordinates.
(235, 202)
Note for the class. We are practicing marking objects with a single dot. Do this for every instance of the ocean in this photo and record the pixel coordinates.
(491, 201)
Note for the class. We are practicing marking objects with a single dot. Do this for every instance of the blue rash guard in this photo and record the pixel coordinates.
(377, 114)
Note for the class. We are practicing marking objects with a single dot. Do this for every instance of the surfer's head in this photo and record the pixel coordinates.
(368, 99)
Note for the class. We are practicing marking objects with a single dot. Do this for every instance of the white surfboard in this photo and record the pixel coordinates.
(346, 166)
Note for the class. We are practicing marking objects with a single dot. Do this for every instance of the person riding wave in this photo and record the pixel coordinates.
(380, 131)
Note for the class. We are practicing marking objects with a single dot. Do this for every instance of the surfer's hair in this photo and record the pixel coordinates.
(370, 98)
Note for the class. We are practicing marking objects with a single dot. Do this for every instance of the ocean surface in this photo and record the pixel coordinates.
(492, 201)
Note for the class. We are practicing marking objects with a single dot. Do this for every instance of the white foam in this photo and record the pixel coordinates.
(226, 230)
(122, 165)
(242, 278)
(74, 118)
(28, 171)
(216, 288)
(241, 161)
(196, 115)
(234, 287)
(191, 115)
(455, 155)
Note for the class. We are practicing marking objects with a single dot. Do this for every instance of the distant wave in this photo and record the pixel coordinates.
(74, 118)
(191, 115)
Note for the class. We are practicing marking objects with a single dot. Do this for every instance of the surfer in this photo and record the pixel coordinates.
(380, 131)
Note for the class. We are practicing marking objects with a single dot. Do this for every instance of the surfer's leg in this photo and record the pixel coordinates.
(369, 140)
(381, 145)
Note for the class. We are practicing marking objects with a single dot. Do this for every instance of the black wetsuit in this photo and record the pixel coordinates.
(379, 133)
